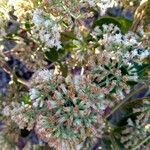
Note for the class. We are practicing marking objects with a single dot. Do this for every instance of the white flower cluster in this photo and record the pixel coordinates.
(34, 93)
(102, 4)
(111, 35)
(140, 54)
(38, 19)
(35, 96)
(125, 47)
(47, 28)
(14, 108)
(23, 121)
(15, 112)
(43, 75)
(14, 2)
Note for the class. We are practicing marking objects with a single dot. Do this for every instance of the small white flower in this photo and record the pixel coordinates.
(48, 29)
(130, 122)
(45, 75)
(34, 93)
(51, 104)
(130, 39)
(37, 17)
(120, 93)
(118, 38)
(48, 23)
(91, 2)
(35, 104)
(116, 29)
(127, 55)
(102, 4)
(145, 54)
(6, 111)
(105, 27)
(62, 86)
(129, 64)
(14, 2)
(134, 53)
(76, 80)
(134, 78)
(38, 102)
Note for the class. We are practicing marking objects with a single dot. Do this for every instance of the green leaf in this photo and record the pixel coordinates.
(27, 25)
(26, 99)
(125, 24)
(148, 8)
(52, 55)
(131, 94)
(67, 40)
(57, 133)
(135, 102)
(106, 20)
(143, 69)
(66, 36)
(64, 69)
(121, 22)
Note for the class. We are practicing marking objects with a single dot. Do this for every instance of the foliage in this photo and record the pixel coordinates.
(78, 74)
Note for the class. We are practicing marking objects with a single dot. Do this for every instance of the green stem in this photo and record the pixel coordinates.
(123, 101)
(69, 36)
(142, 142)
(135, 101)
